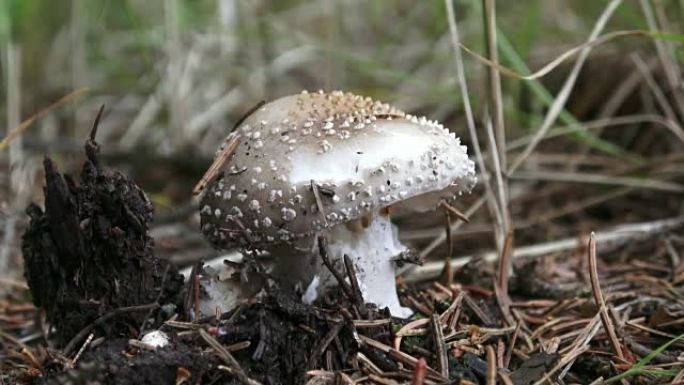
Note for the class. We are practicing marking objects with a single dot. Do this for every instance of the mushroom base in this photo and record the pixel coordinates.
(223, 289)
(371, 249)
(300, 268)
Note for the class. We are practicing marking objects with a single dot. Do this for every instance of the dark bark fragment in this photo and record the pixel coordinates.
(88, 252)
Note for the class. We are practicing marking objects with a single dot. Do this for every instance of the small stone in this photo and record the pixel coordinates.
(156, 339)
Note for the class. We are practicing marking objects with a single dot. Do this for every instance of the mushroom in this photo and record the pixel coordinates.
(334, 165)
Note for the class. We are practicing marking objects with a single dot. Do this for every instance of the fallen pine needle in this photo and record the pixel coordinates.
(598, 297)
(29, 121)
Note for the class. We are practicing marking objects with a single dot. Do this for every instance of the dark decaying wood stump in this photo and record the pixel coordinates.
(88, 253)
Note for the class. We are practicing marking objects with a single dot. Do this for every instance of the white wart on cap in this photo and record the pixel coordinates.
(361, 154)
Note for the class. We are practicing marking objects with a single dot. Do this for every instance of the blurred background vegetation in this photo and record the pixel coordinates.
(176, 74)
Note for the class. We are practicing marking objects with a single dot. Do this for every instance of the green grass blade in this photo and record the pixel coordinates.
(510, 54)
(637, 368)
(676, 37)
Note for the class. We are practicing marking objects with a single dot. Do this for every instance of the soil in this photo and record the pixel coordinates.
(114, 362)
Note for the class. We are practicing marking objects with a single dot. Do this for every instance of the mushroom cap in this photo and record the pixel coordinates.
(360, 154)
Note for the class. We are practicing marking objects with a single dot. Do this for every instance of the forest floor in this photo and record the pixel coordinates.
(574, 314)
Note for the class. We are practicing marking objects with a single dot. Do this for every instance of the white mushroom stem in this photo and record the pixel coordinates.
(371, 249)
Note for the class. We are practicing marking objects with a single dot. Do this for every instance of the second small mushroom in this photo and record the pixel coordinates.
(334, 165)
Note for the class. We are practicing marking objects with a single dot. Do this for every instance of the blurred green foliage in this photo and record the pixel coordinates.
(201, 50)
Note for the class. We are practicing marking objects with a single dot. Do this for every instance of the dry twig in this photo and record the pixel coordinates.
(232, 143)
(598, 298)
(440, 349)
(227, 358)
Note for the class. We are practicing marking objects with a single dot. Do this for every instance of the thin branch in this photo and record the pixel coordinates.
(455, 226)
(447, 272)
(227, 358)
(213, 170)
(494, 80)
(615, 237)
(470, 120)
(599, 124)
(38, 115)
(505, 264)
(608, 180)
(353, 280)
(319, 201)
(323, 251)
(665, 55)
(502, 190)
(491, 365)
(454, 211)
(658, 93)
(553, 64)
(440, 349)
(419, 372)
(598, 298)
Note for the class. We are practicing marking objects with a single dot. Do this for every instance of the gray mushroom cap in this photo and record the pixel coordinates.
(360, 154)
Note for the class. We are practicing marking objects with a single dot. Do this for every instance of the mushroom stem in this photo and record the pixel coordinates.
(371, 251)
(300, 267)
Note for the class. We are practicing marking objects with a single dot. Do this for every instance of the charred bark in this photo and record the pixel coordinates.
(88, 252)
